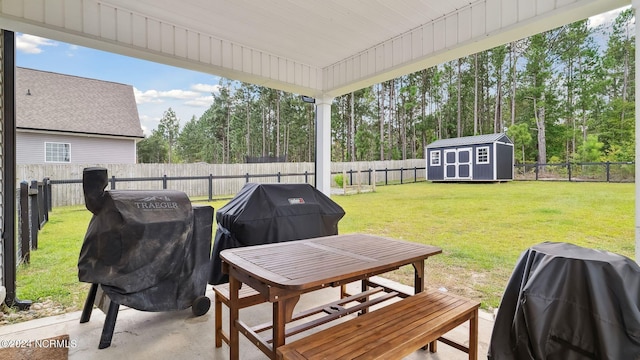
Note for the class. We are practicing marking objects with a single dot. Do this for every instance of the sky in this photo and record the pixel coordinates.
(157, 87)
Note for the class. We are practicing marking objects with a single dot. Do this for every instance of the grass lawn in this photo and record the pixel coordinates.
(482, 229)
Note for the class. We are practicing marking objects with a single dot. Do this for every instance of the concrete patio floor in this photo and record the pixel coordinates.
(180, 335)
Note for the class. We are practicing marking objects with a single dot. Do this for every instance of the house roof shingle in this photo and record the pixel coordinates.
(58, 102)
(470, 140)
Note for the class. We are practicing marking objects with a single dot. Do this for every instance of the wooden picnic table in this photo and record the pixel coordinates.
(281, 272)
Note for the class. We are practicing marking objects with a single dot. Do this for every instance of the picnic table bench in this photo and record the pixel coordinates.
(393, 331)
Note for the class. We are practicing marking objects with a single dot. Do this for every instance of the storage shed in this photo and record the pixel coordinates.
(471, 158)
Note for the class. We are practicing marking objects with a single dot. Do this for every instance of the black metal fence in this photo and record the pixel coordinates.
(596, 172)
(405, 174)
(34, 205)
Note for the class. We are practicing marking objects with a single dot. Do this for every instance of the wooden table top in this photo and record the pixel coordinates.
(305, 264)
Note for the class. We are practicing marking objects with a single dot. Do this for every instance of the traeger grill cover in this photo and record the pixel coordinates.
(139, 246)
(270, 213)
(566, 302)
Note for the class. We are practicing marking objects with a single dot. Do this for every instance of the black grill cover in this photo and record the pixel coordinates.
(270, 213)
(568, 302)
(140, 246)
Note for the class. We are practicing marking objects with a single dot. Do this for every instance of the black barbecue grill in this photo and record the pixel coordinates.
(148, 250)
(269, 213)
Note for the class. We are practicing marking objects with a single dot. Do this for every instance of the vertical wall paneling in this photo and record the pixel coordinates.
(73, 15)
(273, 65)
(265, 68)
(13, 7)
(166, 38)
(478, 16)
(54, 12)
(439, 35)
(124, 27)
(236, 56)
(526, 9)
(193, 45)
(387, 54)
(395, 51)
(154, 35)
(216, 52)
(204, 42)
(34, 10)
(246, 60)
(509, 11)
(427, 39)
(407, 53)
(371, 61)
(493, 15)
(91, 18)
(108, 23)
(416, 43)
(139, 31)
(464, 25)
(451, 30)
(256, 62)
(544, 6)
(282, 69)
(180, 42)
(227, 56)
(297, 73)
(306, 76)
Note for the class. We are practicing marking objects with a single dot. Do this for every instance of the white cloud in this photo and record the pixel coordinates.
(155, 96)
(30, 44)
(206, 88)
(605, 18)
(205, 101)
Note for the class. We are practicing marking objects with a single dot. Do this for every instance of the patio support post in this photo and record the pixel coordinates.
(636, 6)
(323, 144)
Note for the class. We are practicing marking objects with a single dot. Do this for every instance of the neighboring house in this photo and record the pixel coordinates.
(471, 158)
(64, 119)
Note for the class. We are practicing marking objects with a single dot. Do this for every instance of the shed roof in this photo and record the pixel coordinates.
(470, 140)
(58, 102)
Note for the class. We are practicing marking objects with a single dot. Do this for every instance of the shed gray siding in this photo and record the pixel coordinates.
(30, 148)
(460, 158)
(435, 172)
(504, 161)
(483, 171)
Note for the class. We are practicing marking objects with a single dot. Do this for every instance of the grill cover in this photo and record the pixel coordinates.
(270, 213)
(140, 246)
(568, 302)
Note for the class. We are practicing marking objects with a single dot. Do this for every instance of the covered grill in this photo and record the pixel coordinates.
(148, 250)
(568, 302)
(269, 213)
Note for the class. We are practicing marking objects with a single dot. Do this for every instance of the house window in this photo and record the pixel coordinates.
(57, 152)
(482, 155)
(435, 158)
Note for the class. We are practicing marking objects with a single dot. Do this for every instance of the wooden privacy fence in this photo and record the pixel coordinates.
(212, 180)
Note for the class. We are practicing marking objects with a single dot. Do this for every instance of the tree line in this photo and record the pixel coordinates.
(563, 95)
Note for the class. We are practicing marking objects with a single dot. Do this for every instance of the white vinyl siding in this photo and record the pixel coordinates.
(30, 148)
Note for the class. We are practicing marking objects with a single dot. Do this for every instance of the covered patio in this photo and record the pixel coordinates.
(319, 50)
(171, 335)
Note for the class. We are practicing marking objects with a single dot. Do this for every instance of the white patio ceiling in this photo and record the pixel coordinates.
(309, 47)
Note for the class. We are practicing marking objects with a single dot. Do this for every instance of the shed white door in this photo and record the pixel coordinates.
(458, 164)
